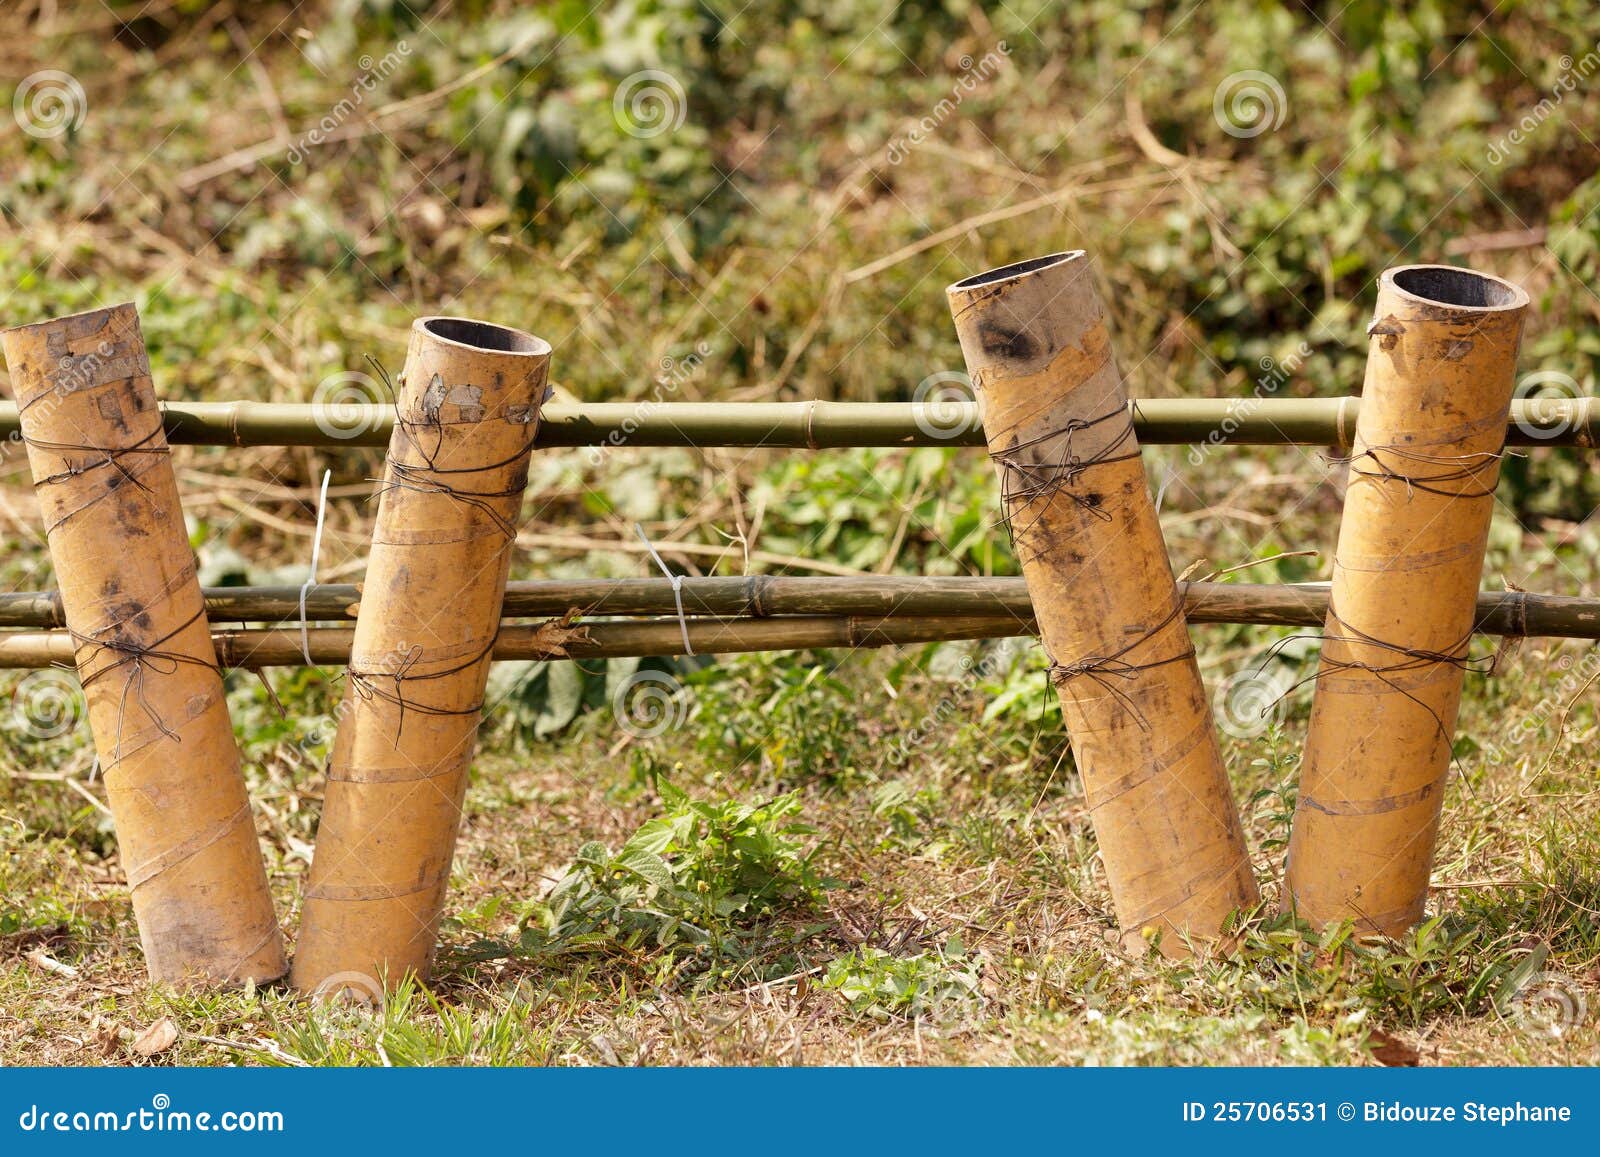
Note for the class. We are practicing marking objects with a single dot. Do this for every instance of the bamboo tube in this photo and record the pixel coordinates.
(458, 462)
(1110, 615)
(834, 425)
(1515, 613)
(138, 638)
(1410, 555)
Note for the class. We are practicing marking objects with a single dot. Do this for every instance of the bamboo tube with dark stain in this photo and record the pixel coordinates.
(142, 647)
(1440, 374)
(467, 415)
(1110, 614)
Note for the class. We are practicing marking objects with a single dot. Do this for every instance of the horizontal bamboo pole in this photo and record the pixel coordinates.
(821, 425)
(282, 647)
(892, 597)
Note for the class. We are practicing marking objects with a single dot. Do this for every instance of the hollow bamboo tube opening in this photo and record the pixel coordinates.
(139, 637)
(1440, 374)
(466, 419)
(1056, 419)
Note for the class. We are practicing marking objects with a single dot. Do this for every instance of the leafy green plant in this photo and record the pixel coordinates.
(797, 721)
(909, 815)
(936, 984)
(1445, 966)
(704, 883)
(924, 511)
(1277, 796)
(539, 699)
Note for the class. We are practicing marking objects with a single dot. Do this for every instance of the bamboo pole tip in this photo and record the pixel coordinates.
(1015, 272)
(68, 321)
(1016, 321)
(1453, 287)
(481, 336)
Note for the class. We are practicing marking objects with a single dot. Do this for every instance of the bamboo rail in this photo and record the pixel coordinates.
(281, 647)
(1513, 613)
(836, 425)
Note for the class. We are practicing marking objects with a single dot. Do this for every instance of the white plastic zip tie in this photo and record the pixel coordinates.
(677, 587)
(316, 549)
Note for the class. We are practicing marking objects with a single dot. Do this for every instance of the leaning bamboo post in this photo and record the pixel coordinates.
(466, 417)
(1405, 577)
(139, 637)
(1087, 536)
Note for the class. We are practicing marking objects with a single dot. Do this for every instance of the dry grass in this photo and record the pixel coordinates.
(1003, 861)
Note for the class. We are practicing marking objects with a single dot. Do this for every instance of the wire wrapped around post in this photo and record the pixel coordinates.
(142, 646)
(466, 417)
(1110, 614)
(1440, 375)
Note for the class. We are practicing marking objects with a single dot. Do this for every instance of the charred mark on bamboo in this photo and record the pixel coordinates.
(1006, 343)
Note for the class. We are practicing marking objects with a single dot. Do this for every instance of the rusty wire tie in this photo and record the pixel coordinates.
(141, 657)
(1412, 659)
(1468, 467)
(1102, 669)
(1023, 482)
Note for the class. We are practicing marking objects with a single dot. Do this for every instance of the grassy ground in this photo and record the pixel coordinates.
(835, 890)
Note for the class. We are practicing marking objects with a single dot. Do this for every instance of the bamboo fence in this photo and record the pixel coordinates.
(1362, 840)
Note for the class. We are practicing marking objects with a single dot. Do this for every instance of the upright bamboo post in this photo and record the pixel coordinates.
(1423, 470)
(467, 415)
(131, 600)
(1056, 418)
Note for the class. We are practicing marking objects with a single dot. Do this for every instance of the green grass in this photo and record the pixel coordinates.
(874, 858)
